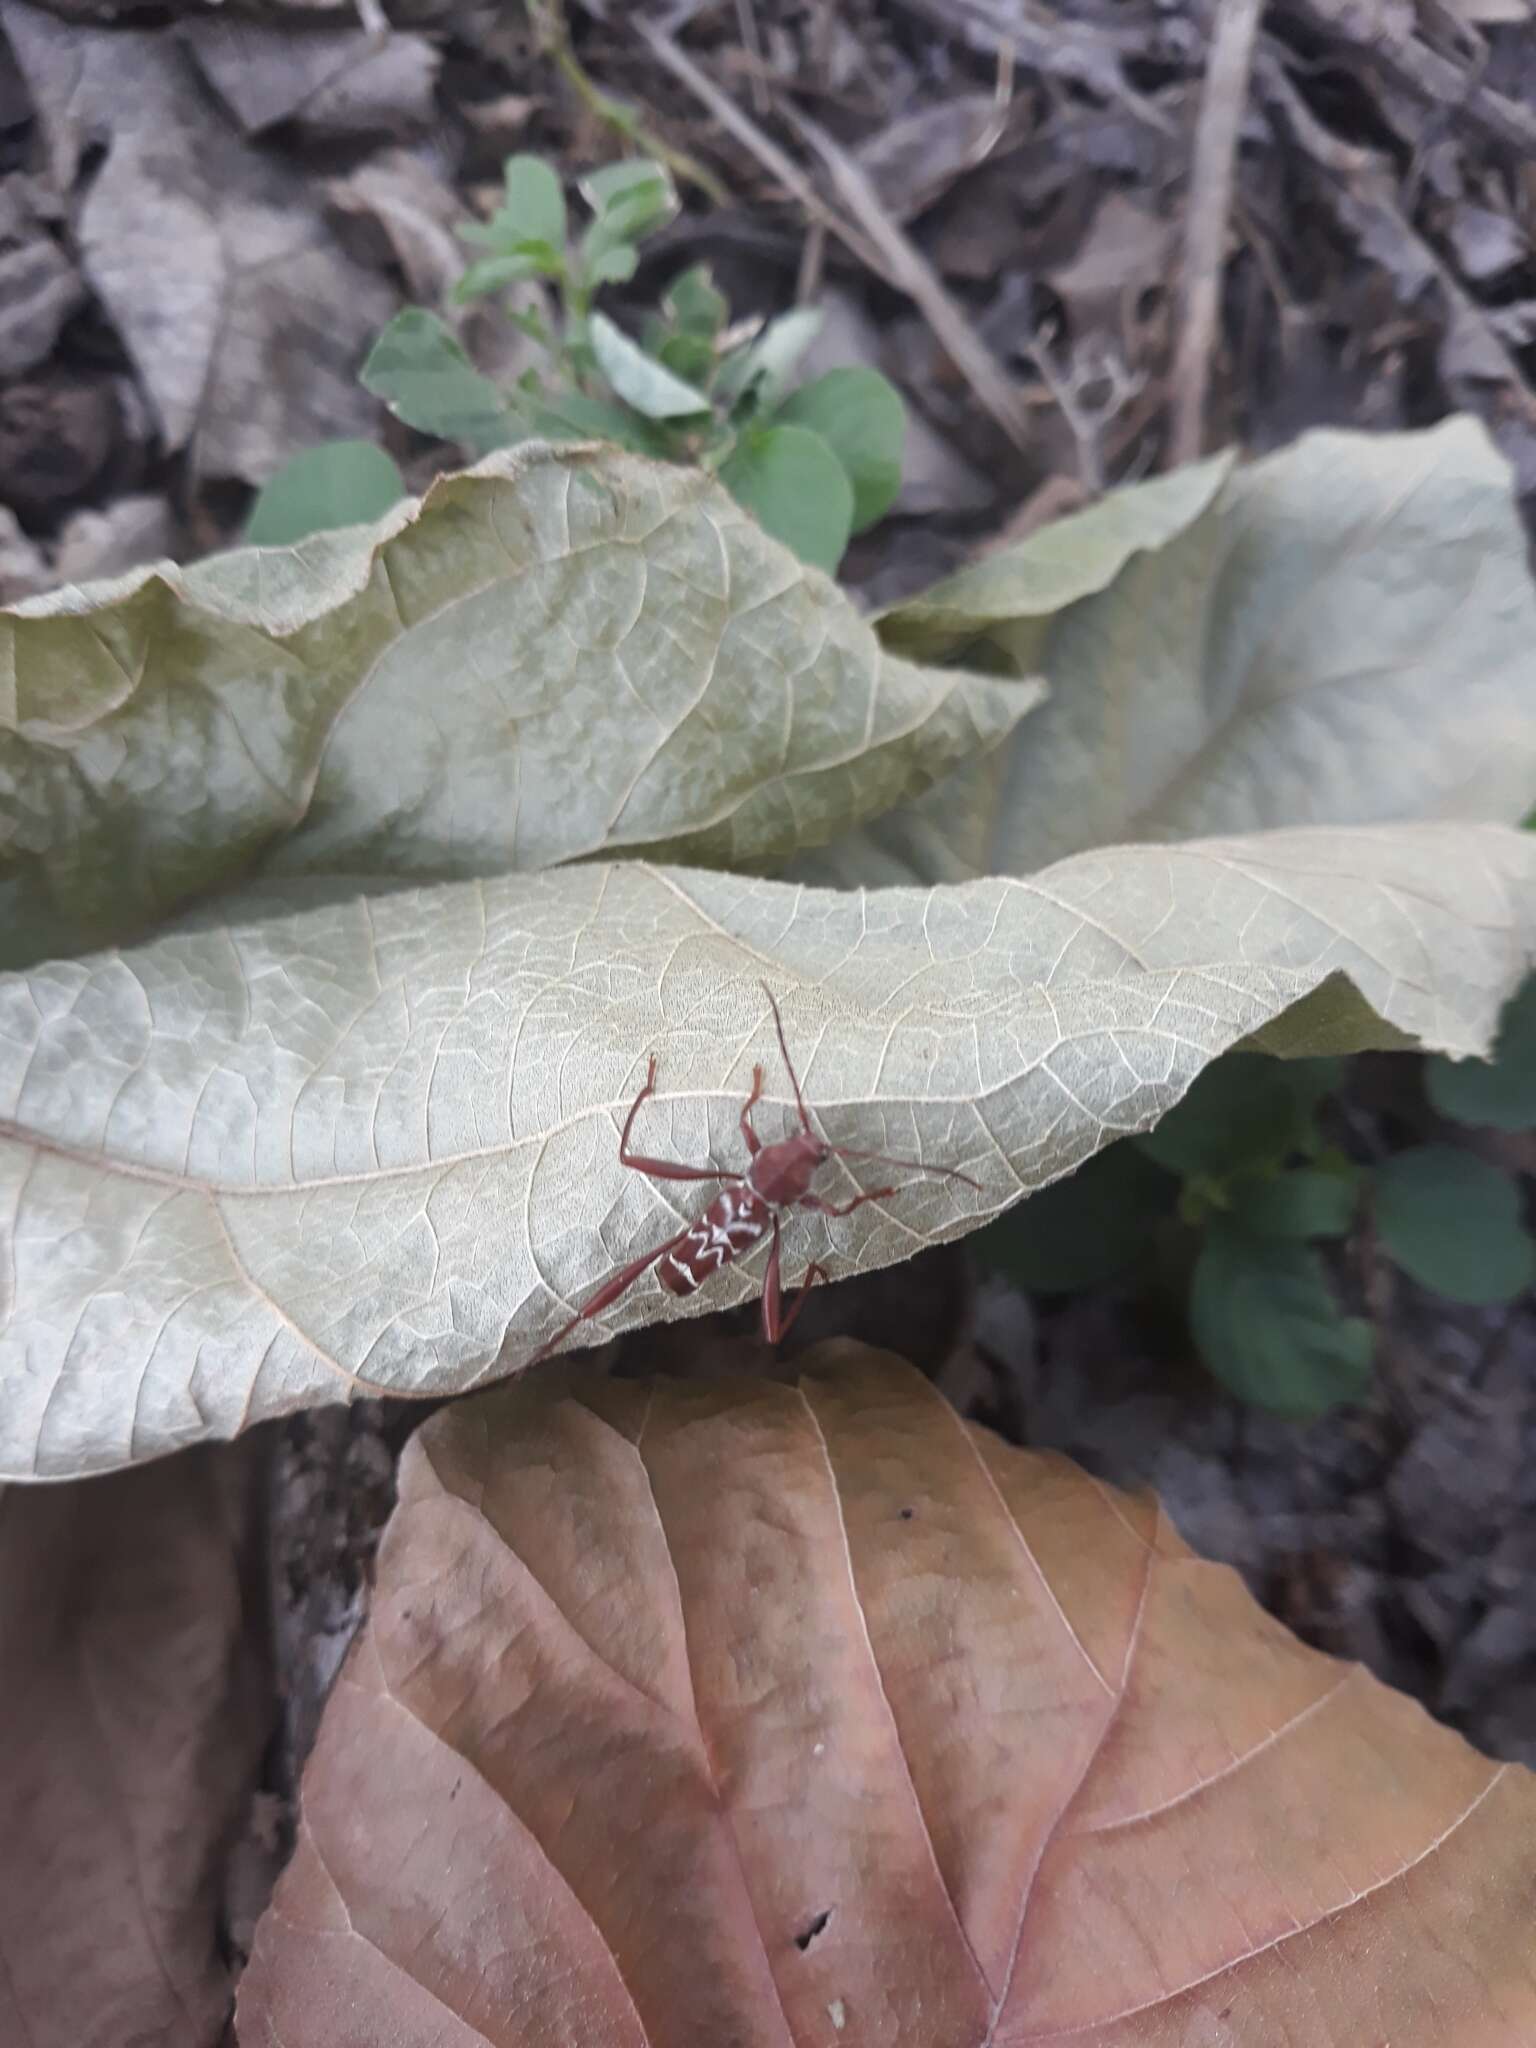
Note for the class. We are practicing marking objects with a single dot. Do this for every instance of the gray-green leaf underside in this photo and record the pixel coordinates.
(335, 1145)
(1343, 633)
(564, 653)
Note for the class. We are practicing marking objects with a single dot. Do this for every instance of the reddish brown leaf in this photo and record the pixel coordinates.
(735, 1713)
(132, 1716)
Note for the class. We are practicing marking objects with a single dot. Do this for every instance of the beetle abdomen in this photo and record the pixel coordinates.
(731, 1225)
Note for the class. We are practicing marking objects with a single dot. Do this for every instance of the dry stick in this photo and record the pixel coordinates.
(1422, 71)
(874, 238)
(752, 138)
(1078, 53)
(554, 34)
(752, 42)
(904, 264)
(1210, 206)
(1347, 188)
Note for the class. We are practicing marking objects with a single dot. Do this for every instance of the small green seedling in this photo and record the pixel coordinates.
(1234, 1190)
(814, 464)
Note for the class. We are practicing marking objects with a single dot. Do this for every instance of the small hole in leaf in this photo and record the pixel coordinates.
(907, 1514)
(810, 1931)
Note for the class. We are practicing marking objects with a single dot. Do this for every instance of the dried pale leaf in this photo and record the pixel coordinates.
(341, 1146)
(1126, 251)
(209, 257)
(560, 654)
(890, 1733)
(913, 160)
(132, 1720)
(330, 82)
(1343, 633)
(40, 288)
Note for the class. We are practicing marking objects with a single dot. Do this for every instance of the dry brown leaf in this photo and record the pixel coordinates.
(132, 1716)
(732, 1712)
(244, 320)
(39, 285)
(331, 82)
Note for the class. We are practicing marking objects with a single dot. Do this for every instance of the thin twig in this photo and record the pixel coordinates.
(878, 242)
(813, 265)
(751, 137)
(1070, 386)
(554, 34)
(1422, 71)
(752, 42)
(1210, 206)
(905, 266)
(1357, 187)
(1081, 53)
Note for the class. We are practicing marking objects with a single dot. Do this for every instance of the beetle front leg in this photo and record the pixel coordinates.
(754, 1143)
(660, 1169)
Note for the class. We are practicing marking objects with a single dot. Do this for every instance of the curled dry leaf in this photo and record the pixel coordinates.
(1343, 633)
(132, 1720)
(332, 1146)
(890, 1734)
(562, 653)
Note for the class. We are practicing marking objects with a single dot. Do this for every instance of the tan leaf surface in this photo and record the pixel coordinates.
(563, 652)
(890, 1734)
(1343, 633)
(133, 1711)
(371, 1145)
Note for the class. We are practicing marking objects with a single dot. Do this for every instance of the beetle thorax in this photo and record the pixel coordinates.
(782, 1173)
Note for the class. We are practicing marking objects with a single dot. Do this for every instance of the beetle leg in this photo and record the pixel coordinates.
(619, 1283)
(753, 1142)
(660, 1169)
(776, 1324)
(847, 1208)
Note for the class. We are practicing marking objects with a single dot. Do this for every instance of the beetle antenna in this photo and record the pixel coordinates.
(909, 1165)
(778, 1024)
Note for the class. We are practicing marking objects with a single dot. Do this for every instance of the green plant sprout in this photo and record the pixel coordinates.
(814, 465)
(1233, 1191)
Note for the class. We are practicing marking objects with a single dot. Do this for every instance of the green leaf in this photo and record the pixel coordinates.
(1082, 1231)
(493, 274)
(640, 381)
(615, 265)
(1266, 1323)
(637, 187)
(694, 303)
(534, 664)
(1453, 1223)
(690, 356)
(340, 483)
(535, 202)
(1499, 1093)
(760, 372)
(631, 200)
(1246, 1112)
(1339, 634)
(422, 374)
(860, 416)
(1304, 1203)
(795, 488)
(318, 1142)
(566, 415)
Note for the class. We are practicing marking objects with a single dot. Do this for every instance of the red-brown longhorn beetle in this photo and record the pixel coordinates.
(778, 1178)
